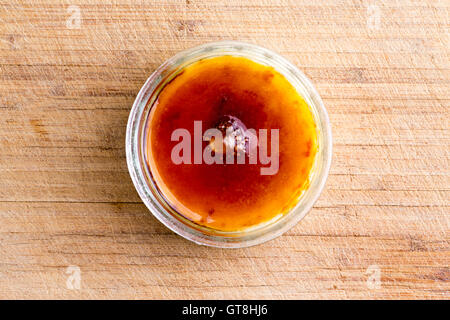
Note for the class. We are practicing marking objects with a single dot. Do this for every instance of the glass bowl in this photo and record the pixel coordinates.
(141, 173)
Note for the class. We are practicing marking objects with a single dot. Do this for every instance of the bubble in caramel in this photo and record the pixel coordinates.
(245, 142)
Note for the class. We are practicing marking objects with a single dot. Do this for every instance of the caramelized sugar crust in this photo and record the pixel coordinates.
(231, 197)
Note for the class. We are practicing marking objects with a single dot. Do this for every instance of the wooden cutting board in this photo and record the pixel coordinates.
(73, 226)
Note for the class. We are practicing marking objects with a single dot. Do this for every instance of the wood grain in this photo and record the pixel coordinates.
(66, 198)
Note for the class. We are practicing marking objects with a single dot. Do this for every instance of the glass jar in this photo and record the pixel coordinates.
(142, 175)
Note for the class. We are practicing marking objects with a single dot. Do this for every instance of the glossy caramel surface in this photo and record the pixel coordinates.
(231, 196)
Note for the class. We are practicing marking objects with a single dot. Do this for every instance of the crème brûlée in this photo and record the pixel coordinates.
(234, 95)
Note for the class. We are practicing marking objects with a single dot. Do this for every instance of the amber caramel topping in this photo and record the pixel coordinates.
(231, 196)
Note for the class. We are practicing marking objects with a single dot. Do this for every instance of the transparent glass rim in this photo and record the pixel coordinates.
(146, 186)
